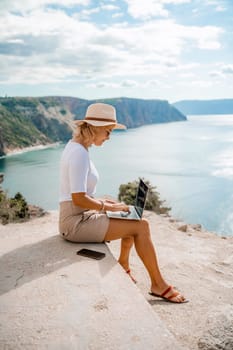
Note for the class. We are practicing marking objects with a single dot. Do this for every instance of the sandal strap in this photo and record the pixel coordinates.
(175, 294)
(166, 291)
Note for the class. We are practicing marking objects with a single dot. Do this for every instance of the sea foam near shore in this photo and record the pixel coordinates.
(16, 151)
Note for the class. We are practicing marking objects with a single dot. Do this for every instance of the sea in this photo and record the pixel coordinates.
(190, 163)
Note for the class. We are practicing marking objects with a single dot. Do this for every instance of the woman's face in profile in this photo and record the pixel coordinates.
(102, 135)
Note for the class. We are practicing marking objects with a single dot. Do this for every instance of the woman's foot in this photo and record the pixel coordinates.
(170, 294)
(132, 278)
(127, 270)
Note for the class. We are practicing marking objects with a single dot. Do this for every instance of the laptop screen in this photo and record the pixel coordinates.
(141, 197)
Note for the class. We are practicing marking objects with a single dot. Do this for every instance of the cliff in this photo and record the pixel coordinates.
(218, 106)
(30, 121)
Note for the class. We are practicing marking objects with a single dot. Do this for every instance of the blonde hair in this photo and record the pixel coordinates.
(84, 132)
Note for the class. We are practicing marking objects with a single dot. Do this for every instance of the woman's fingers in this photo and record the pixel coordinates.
(121, 207)
(110, 201)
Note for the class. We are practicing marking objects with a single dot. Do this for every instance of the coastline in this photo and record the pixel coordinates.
(16, 151)
(192, 191)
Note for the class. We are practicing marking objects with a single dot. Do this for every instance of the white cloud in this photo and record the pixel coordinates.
(222, 71)
(152, 83)
(129, 83)
(145, 9)
(109, 7)
(33, 73)
(216, 4)
(220, 8)
(50, 45)
(215, 74)
(227, 69)
(206, 37)
(103, 85)
(201, 83)
(125, 84)
(211, 2)
(187, 75)
(86, 13)
(27, 5)
(117, 15)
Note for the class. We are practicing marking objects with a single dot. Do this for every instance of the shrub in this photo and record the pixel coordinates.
(13, 209)
(20, 206)
(63, 111)
(128, 193)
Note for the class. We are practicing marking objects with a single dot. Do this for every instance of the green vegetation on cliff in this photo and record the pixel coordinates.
(29, 121)
(24, 122)
(13, 209)
(17, 130)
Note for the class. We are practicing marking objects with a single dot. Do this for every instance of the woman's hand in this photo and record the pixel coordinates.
(116, 207)
(108, 200)
(82, 200)
(113, 205)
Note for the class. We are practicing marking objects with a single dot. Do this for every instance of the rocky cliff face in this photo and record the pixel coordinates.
(31, 121)
(136, 112)
(202, 107)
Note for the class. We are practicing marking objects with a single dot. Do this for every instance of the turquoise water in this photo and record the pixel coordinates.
(190, 163)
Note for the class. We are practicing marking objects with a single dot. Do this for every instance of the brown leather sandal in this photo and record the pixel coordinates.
(169, 299)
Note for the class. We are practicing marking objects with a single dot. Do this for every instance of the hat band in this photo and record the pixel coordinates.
(101, 119)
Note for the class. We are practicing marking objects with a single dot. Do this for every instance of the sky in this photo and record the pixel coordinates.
(151, 49)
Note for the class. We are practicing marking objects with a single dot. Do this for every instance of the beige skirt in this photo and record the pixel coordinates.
(78, 225)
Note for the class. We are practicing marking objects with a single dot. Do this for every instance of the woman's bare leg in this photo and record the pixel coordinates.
(140, 231)
(126, 245)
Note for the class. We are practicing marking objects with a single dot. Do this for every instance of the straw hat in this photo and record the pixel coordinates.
(101, 114)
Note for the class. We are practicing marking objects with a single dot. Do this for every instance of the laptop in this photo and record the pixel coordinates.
(136, 210)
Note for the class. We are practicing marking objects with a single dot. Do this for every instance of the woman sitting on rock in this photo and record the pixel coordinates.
(83, 218)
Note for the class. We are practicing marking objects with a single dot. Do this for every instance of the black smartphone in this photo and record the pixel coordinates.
(91, 254)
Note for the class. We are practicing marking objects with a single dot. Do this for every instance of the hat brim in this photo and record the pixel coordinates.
(101, 123)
